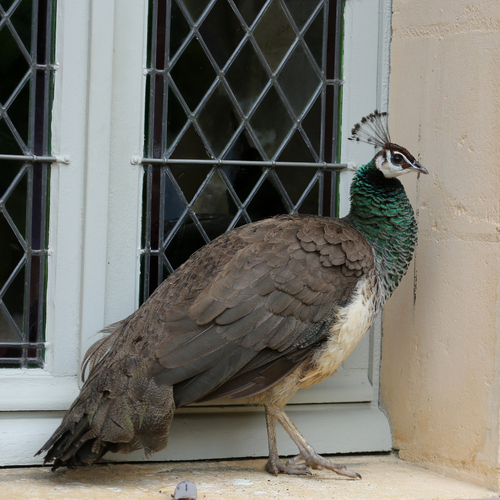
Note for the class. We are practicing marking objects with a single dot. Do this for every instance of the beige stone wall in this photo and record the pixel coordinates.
(441, 354)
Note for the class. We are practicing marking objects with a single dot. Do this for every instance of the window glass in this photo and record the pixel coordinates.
(26, 67)
(253, 84)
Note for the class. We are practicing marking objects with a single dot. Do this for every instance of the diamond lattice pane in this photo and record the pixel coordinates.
(301, 10)
(274, 34)
(13, 299)
(314, 39)
(299, 80)
(221, 31)
(176, 117)
(179, 29)
(193, 74)
(21, 22)
(249, 10)
(218, 120)
(186, 241)
(267, 201)
(26, 41)
(296, 180)
(13, 64)
(271, 122)
(190, 178)
(312, 125)
(215, 208)
(174, 202)
(190, 145)
(11, 252)
(8, 331)
(16, 203)
(310, 203)
(195, 7)
(247, 77)
(8, 143)
(19, 115)
(253, 77)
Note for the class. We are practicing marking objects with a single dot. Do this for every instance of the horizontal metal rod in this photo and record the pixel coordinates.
(179, 161)
(20, 345)
(34, 158)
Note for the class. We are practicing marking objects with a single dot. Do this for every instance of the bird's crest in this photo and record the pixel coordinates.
(372, 129)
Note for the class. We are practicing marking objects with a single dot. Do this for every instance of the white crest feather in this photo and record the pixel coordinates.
(372, 129)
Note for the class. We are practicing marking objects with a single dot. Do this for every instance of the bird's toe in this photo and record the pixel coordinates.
(276, 467)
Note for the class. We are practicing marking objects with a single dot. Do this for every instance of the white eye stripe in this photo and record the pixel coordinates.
(401, 154)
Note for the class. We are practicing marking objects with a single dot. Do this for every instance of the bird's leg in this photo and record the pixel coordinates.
(274, 464)
(306, 451)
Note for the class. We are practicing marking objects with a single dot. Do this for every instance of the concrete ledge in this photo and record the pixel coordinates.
(384, 477)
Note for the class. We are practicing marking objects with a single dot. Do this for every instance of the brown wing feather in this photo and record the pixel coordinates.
(268, 285)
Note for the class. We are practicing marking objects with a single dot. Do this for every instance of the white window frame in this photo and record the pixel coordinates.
(95, 228)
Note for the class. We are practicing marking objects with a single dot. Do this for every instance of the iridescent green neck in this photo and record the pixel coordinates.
(381, 212)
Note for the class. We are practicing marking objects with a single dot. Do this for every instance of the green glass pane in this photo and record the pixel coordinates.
(274, 34)
(247, 77)
(314, 38)
(301, 10)
(179, 29)
(312, 125)
(271, 122)
(13, 65)
(218, 120)
(193, 74)
(249, 9)
(299, 80)
(222, 32)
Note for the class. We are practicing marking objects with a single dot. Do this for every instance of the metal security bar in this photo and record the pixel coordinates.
(242, 120)
(249, 163)
(26, 38)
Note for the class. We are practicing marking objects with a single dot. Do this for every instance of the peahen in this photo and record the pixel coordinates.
(263, 310)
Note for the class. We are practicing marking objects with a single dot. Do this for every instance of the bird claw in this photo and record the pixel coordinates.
(312, 460)
(276, 467)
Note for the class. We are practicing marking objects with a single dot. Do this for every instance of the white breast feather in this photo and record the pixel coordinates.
(351, 323)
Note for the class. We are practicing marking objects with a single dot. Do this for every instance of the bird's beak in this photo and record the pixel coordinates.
(418, 168)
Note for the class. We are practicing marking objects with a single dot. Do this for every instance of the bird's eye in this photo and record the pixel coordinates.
(397, 158)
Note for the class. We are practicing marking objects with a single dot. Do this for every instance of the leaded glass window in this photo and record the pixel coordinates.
(26, 67)
(242, 119)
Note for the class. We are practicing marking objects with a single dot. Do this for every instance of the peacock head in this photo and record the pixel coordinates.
(392, 160)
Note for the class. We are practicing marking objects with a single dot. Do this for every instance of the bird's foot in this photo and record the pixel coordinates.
(315, 461)
(276, 466)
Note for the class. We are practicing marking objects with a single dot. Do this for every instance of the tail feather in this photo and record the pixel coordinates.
(120, 408)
